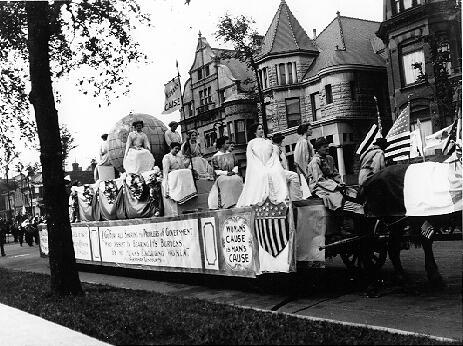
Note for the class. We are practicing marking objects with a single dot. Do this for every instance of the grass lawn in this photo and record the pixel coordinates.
(121, 316)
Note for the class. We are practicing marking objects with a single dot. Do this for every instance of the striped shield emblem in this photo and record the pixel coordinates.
(271, 226)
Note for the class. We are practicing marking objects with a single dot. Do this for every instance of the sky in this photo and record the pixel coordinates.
(173, 36)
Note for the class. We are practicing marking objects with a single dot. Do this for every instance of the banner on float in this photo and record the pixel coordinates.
(221, 242)
(165, 244)
(173, 96)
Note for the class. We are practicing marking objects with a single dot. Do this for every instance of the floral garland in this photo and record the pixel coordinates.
(110, 191)
(136, 185)
(88, 194)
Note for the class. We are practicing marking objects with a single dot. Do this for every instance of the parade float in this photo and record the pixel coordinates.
(120, 223)
(129, 222)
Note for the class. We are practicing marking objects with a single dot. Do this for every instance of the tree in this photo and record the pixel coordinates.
(52, 40)
(246, 42)
(444, 90)
(67, 142)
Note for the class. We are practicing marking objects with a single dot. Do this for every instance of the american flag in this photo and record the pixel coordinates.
(271, 226)
(449, 145)
(398, 137)
(371, 136)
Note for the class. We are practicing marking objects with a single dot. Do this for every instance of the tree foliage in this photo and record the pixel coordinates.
(444, 89)
(68, 142)
(41, 42)
(240, 32)
(92, 37)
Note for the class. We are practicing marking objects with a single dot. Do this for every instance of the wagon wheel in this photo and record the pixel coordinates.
(353, 260)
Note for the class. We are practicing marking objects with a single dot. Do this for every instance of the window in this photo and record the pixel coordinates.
(205, 96)
(410, 73)
(328, 94)
(201, 99)
(276, 75)
(265, 76)
(240, 132)
(282, 74)
(200, 74)
(444, 52)
(353, 90)
(231, 131)
(402, 5)
(221, 96)
(315, 102)
(209, 97)
(293, 112)
(206, 70)
(249, 123)
(290, 73)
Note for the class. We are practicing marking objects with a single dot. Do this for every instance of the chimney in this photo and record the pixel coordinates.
(314, 34)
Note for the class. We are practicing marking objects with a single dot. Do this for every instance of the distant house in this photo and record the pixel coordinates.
(215, 99)
(329, 80)
(26, 192)
(409, 30)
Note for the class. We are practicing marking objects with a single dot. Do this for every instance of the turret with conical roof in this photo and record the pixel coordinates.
(285, 35)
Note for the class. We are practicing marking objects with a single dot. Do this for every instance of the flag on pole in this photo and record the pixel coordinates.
(370, 138)
(416, 144)
(438, 139)
(449, 144)
(398, 137)
(173, 95)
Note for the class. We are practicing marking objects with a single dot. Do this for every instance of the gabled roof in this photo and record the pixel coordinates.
(346, 41)
(239, 70)
(285, 35)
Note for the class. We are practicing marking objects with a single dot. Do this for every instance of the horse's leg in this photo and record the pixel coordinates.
(430, 265)
(393, 250)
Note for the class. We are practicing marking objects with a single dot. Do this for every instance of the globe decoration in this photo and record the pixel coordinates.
(117, 138)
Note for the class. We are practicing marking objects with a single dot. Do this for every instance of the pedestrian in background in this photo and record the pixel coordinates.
(3, 231)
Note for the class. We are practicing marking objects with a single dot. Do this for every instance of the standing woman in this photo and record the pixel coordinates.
(265, 176)
(138, 157)
(228, 185)
(303, 152)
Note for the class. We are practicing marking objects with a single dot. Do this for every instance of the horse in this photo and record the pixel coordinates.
(417, 199)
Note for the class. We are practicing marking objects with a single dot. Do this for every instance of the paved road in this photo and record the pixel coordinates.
(328, 293)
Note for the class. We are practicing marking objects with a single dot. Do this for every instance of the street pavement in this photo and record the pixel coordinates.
(326, 294)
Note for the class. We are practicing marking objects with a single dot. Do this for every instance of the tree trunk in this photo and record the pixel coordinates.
(261, 98)
(63, 270)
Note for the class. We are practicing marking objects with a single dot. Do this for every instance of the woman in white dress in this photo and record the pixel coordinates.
(193, 155)
(228, 185)
(265, 177)
(178, 180)
(138, 157)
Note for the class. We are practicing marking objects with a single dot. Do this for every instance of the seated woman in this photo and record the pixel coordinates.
(192, 155)
(265, 177)
(138, 157)
(178, 180)
(228, 186)
(325, 181)
(292, 178)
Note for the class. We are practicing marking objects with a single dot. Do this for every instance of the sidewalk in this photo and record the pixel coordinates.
(21, 328)
(431, 313)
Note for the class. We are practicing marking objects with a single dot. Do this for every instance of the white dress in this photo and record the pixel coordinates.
(265, 177)
(139, 158)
